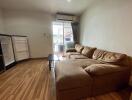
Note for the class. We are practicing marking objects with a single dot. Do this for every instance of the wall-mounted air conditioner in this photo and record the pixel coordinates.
(65, 17)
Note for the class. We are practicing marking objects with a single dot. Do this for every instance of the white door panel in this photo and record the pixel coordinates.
(21, 48)
(7, 50)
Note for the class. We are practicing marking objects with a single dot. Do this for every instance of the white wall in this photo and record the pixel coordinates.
(107, 24)
(36, 25)
(1, 22)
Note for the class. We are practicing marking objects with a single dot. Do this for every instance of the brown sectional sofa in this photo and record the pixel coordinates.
(80, 52)
(99, 72)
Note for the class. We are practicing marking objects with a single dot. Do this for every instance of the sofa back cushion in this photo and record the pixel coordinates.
(109, 57)
(79, 48)
(101, 69)
(88, 51)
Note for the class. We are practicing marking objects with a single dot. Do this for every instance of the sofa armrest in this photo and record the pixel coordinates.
(101, 69)
(71, 50)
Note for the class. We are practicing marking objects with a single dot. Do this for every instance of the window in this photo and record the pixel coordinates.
(62, 33)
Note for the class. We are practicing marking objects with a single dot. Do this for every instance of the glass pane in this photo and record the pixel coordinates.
(58, 33)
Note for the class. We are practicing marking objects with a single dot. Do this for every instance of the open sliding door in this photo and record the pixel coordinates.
(62, 34)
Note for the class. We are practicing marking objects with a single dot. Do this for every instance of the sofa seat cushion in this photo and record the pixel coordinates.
(101, 69)
(109, 57)
(79, 48)
(69, 76)
(88, 51)
(87, 62)
(78, 57)
(73, 53)
(68, 54)
(83, 63)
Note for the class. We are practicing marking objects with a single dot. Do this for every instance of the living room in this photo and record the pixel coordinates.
(93, 36)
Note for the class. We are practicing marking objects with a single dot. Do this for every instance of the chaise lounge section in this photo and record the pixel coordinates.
(80, 78)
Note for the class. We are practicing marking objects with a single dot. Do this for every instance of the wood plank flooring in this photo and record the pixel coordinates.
(31, 80)
(26, 81)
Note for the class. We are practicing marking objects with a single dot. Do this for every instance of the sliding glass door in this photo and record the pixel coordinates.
(62, 33)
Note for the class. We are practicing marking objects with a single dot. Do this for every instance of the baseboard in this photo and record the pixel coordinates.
(39, 58)
(11, 65)
(22, 60)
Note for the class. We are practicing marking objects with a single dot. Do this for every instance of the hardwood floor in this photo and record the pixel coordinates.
(31, 80)
(26, 81)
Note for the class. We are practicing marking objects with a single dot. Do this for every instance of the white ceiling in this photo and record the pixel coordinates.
(51, 6)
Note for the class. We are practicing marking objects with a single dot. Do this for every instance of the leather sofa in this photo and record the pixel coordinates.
(95, 72)
(79, 52)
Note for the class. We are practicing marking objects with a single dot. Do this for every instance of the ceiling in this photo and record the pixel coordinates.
(51, 6)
